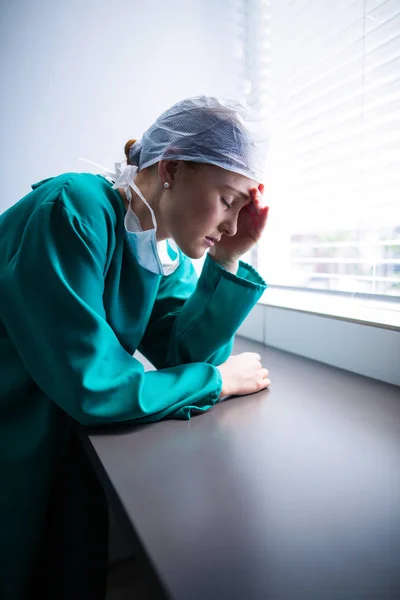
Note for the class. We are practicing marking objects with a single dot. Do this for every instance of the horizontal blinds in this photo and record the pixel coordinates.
(327, 75)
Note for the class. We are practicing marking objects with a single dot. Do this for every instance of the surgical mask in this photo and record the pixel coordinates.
(150, 254)
(161, 258)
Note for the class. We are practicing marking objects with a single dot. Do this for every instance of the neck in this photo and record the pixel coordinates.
(152, 195)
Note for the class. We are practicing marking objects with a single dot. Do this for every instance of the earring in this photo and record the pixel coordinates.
(166, 185)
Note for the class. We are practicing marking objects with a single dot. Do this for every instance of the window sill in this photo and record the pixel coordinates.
(344, 342)
(373, 312)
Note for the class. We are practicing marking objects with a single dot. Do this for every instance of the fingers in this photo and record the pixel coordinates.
(265, 377)
(265, 380)
(263, 383)
(261, 222)
(259, 206)
(257, 198)
(258, 211)
(256, 203)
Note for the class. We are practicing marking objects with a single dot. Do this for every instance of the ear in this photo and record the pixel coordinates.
(167, 171)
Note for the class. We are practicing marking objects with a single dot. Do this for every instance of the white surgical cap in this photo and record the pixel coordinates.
(208, 130)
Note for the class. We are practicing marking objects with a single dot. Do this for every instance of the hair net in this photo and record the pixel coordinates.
(206, 130)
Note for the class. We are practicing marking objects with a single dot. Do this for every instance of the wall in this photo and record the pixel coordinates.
(82, 77)
(363, 349)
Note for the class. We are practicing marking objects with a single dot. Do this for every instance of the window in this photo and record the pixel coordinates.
(327, 75)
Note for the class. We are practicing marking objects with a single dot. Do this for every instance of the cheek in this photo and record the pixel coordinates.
(195, 216)
(209, 211)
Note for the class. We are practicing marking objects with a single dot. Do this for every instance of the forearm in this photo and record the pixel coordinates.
(204, 329)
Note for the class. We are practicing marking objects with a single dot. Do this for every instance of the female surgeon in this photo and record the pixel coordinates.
(92, 268)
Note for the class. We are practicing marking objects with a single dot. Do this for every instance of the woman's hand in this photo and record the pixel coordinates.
(251, 223)
(243, 374)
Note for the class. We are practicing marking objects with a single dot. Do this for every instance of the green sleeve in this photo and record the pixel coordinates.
(195, 321)
(51, 305)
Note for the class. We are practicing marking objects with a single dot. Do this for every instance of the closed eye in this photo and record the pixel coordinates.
(225, 202)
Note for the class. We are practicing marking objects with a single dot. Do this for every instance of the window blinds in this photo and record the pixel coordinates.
(327, 75)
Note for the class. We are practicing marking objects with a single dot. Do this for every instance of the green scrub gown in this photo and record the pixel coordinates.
(74, 307)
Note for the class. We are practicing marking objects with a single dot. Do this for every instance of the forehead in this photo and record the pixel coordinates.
(234, 183)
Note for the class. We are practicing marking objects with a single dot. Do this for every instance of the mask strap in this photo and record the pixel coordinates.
(139, 193)
(125, 175)
(118, 176)
(104, 169)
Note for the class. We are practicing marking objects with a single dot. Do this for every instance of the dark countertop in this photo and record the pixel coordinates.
(286, 494)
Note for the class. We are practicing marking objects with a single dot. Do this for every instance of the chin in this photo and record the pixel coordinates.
(193, 251)
(199, 253)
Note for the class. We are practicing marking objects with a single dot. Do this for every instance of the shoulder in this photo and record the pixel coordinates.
(86, 197)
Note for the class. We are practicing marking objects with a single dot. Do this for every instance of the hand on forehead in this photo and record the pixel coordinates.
(239, 184)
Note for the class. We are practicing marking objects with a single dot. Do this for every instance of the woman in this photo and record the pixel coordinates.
(86, 278)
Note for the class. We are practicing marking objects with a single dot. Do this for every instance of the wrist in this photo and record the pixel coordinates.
(224, 391)
(229, 264)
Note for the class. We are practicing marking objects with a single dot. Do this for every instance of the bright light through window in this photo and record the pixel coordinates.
(330, 85)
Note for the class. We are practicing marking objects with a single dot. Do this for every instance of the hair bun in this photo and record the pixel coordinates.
(128, 146)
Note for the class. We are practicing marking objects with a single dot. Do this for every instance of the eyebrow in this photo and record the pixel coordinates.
(238, 192)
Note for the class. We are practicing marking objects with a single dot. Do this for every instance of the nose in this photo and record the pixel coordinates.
(229, 226)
